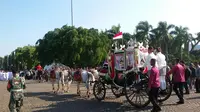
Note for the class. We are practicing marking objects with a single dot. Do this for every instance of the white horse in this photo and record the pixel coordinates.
(59, 74)
(87, 77)
(63, 78)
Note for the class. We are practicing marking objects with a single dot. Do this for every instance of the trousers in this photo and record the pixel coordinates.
(153, 96)
(178, 89)
(197, 85)
(15, 105)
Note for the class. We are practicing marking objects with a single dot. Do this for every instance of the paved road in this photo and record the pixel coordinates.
(40, 99)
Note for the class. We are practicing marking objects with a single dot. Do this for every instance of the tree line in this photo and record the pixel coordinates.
(78, 46)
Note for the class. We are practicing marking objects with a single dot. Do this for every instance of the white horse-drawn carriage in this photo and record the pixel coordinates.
(124, 72)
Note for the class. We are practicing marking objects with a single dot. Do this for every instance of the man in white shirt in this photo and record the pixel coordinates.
(162, 68)
(150, 56)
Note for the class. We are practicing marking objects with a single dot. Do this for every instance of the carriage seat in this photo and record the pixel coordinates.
(129, 68)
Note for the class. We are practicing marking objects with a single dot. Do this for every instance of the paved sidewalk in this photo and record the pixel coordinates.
(40, 99)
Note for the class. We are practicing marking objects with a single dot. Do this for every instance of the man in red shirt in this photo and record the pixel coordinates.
(39, 72)
(154, 85)
(178, 72)
(39, 67)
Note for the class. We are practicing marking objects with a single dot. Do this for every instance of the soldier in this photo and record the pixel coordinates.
(15, 87)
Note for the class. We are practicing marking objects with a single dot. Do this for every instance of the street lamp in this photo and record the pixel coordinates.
(72, 12)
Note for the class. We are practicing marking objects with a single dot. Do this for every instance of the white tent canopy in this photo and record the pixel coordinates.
(5, 76)
(49, 67)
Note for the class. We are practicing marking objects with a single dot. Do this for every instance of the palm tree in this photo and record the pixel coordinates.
(166, 33)
(190, 38)
(111, 32)
(195, 41)
(143, 32)
(114, 29)
(181, 39)
(155, 38)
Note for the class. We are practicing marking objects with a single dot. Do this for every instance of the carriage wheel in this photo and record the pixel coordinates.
(116, 91)
(99, 90)
(164, 95)
(137, 95)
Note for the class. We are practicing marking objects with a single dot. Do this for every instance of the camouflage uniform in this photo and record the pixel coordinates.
(15, 87)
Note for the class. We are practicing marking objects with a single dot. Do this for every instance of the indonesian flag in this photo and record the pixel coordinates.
(118, 36)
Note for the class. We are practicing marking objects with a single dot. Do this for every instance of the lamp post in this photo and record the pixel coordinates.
(72, 12)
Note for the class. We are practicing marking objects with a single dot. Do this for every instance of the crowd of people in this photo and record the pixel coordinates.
(5, 75)
(183, 76)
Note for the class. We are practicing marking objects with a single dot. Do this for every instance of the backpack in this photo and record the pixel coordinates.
(17, 83)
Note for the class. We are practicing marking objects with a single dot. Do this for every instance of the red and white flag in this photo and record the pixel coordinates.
(118, 36)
